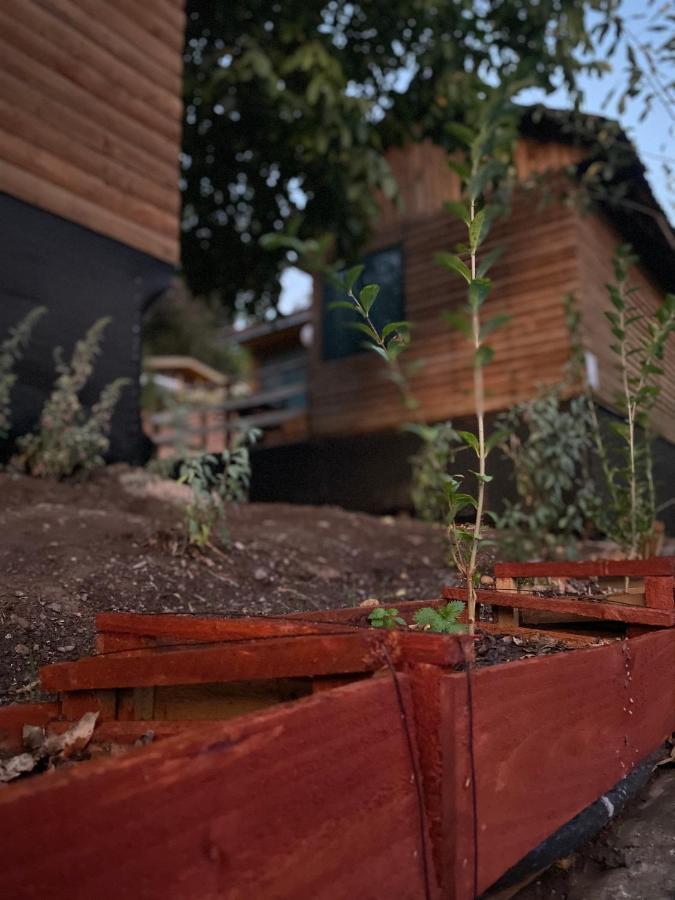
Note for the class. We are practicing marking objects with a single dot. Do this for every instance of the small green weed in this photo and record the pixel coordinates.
(443, 620)
(381, 617)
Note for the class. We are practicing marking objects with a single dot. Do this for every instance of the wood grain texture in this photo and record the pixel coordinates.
(597, 241)
(305, 655)
(256, 810)
(601, 568)
(552, 734)
(536, 270)
(92, 119)
(591, 609)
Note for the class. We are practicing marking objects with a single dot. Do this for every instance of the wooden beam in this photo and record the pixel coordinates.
(658, 565)
(247, 660)
(312, 799)
(592, 609)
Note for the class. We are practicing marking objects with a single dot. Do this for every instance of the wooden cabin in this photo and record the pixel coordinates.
(550, 250)
(90, 132)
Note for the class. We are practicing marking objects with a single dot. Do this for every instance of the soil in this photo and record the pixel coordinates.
(498, 648)
(114, 542)
(633, 858)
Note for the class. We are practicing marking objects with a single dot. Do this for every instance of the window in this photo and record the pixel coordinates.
(385, 267)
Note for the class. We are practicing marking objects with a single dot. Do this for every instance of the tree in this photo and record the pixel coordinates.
(289, 107)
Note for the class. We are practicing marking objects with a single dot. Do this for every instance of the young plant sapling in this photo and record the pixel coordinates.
(639, 346)
(381, 617)
(443, 620)
(485, 162)
(11, 351)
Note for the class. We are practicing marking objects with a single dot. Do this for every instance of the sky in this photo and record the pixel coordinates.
(651, 137)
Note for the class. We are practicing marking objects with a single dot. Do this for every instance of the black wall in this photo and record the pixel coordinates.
(79, 276)
(371, 473)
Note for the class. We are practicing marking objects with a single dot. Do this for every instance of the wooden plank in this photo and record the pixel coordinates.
(61, 48)
(247, 660)
(129, 732)
(132, 631)
(85, 16)
(592, 609)
(167, 30)
(252, 810)
(16, 715)
(41, 192)
(659, 592)
(58, 171)
(552, 734)
(658, 565)
(127, 140)
(112, 179)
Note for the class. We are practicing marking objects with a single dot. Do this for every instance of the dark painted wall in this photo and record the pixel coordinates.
(372, 473)
(79, 276)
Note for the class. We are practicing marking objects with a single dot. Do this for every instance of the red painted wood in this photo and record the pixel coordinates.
(311, 799)
(16, 715)
(593, 609)
(657, 565)
(129, 732)
(552, 734)
(285, 657)
(130, 631)
(659, 592)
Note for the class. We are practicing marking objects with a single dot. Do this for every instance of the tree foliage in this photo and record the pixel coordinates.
(289, 107)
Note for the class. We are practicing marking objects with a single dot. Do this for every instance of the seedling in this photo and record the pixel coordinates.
(443, 620)
(381, 617)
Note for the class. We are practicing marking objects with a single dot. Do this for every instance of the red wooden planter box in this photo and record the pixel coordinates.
(415, 781)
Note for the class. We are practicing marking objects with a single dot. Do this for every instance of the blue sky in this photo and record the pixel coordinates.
(651, 137)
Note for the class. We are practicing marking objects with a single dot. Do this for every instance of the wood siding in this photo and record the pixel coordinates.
(597, 241)
(353, 395)
(548, 252)
(90, 114)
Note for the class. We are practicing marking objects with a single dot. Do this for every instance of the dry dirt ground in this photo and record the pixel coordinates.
(68, 551)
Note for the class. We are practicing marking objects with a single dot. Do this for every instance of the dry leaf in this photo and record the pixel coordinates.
(73, 740)
(15, 766)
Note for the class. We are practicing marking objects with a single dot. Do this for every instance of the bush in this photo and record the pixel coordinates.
(11, 350)
(430, 469)
(549, 445)
(214, 480)
(69, 438)
(178, 324)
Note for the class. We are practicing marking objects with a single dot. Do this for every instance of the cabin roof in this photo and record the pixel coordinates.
(629, 202)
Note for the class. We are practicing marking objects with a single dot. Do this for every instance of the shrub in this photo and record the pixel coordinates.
(430, 469)
(214, 480)
(11, 350)
(69, 438)
(639, 345)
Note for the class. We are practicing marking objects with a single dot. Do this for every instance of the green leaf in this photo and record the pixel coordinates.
(351, 276)
(342, 304)
(493, 324)
(454, 264)
(364, 328)
(483, 356)
(457, 320)
(476, 229)
(463, 134)
(471, 440)
(485, 174)
(368, 295)
(461, 168)
(488, 261)
(458, 209)
(395, 326)
(486, 479)
(459, 501)
(479, 289)
(496, 438)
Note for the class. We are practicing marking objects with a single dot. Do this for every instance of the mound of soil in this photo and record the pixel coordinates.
(114, 542)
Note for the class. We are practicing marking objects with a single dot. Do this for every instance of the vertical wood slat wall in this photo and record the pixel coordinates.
(90, 114)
